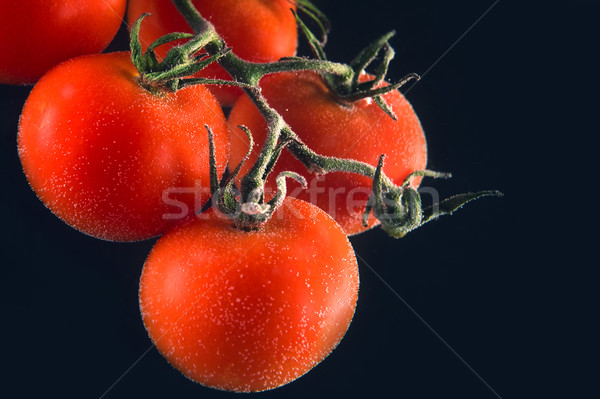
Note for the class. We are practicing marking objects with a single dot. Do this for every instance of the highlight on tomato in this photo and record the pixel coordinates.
(39, 34)
(359, 130)
(253, 310)
(112, 159)
(256, 30)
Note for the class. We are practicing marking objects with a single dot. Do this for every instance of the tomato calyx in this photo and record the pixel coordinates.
(254, 210)
(399, 208)
(352, 87)
(172, 73)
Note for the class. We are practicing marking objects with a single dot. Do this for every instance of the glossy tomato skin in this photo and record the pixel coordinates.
(250, 311)
(360, 131)
(257, 30)
(111, 159)
(39, 34)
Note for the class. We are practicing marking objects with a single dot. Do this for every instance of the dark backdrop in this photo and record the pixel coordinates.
(498, 294)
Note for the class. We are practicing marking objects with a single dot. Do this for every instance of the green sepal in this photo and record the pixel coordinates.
(454, 203)
(279, 196)
(376, 187)
(382, 69)
(182, 69)
(274, 157)
(425, 173)
(227, 201)
(214, 177)
(170, 37)
(136, 46)
(317, 16)
(384, 107)
(146, 62)
(366, 56)
(366, 92)
(315, 45)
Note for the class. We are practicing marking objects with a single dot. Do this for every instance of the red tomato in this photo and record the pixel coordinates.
(110, 158)
(360, 130)
(38, 34)
(257, 30)
(250, 311)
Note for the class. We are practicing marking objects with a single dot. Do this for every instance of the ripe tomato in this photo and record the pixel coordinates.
(101, 152)
(360, 130)
(38, 34)
(257, 30)
(250, 311)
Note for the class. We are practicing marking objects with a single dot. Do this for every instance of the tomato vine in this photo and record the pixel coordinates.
(398, 207)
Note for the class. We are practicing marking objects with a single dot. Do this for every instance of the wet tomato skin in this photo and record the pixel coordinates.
(256, 30)
(250, 311)
(39, 34)
(101, 152)
(359, 130)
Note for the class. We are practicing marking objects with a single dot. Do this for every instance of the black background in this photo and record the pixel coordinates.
(506, 283)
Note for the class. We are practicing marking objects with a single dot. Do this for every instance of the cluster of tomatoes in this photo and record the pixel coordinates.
(235, 309)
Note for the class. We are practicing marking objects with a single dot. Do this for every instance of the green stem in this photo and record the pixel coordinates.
(323, 164)
(192, 16)
(249, 74)
(254, 178)
(341, 71)
(397, 207)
